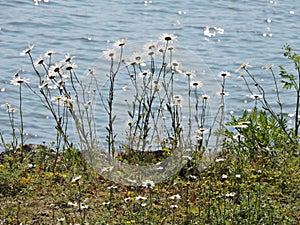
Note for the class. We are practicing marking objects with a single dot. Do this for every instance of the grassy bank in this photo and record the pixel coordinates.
(243, 186)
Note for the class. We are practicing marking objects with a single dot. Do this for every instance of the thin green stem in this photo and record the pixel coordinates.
(298, 101)
(21, 119)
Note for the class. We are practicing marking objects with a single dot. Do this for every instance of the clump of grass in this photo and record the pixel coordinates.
(155, 107)
(292, 81)
(161, 118)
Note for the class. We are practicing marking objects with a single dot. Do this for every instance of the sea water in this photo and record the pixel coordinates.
(223, 34)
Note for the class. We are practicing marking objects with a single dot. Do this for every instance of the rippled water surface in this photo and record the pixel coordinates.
(254, 31)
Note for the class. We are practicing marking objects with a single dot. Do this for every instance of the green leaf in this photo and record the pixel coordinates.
(47, 107)
(287, 85)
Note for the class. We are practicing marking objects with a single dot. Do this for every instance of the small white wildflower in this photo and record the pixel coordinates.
(177, 103)
(17, 81)
(83, 206)
(168, 37)
(223, 93)
(150, 46)
(175, 64)
(136, 58)
(173, 197)
(196, 84)
(160, 168)
(241, 125)
(51, 75)
(178, 97)
(68, 58)
(11, 110)
(171, 48)
(75, 204)
(231, 194)
(70, 66)
(126, 200)
(255, 96)
(161, 49)
(39, 61)
(193, 177)
(55, 69)
(268, 67)
(201, 131)
(205, 97)
(120, 43)
(173, 206)
(189, 74)
(242, 66)
(140, 198)
(43, 84)
(75, 179)
(61, 219)
(151, 53)
(178, 100)
(143, 204)
(64, 101)
(109, 54)
(238, 136)
(148, 184)
(224, 176)
(220, 160)
(224, 74)
(112, 187)
(238, 176)
(27, 50)
(30, 165)
(6, 105)
(49, 53)
(144, 73)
